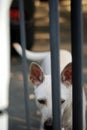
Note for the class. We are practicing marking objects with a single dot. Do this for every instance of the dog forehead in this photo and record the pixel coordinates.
(44, 88)
(65, 92)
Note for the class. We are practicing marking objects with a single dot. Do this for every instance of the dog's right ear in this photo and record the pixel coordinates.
(36, 74)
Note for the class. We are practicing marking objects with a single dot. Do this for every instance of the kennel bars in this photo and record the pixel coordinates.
(76, 40)
(24, 62)
(55, 47)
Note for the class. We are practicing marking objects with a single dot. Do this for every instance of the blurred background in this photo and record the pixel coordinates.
(37, 39)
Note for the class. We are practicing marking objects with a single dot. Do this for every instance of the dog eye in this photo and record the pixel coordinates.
(62, 101)
(42, 101)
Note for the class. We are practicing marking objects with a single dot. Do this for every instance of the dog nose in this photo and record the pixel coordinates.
(48, 124)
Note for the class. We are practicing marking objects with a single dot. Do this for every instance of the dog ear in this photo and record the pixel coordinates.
(66, 75)
(36, 74)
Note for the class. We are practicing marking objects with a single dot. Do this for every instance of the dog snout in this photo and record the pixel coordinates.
(48, 124)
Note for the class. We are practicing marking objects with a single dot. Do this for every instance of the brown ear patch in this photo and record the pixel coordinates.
(66, 75)
(36, 74)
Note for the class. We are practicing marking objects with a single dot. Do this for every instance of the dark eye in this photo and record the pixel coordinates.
(42, 101)
(62, 101)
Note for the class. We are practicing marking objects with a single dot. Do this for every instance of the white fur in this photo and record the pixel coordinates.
(44, 91)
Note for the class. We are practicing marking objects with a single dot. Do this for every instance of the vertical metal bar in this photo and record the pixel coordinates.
(76, 30)
(24, 62)
(54, 44)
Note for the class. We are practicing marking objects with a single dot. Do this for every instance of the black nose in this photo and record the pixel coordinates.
(48, 124)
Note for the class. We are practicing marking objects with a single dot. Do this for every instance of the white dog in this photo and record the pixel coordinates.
(42, 87)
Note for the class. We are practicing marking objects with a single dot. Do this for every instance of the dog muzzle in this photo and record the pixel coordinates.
(48, 124)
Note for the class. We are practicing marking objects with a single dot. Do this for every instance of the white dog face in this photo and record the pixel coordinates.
(43, 92)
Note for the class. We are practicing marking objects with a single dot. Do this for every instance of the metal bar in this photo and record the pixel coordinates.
(77, 40)
(24, 62)
(54, 44)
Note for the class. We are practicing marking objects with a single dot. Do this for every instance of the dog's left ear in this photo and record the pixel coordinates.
(66, 75)
(36, 74)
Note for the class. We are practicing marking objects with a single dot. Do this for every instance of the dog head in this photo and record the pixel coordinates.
(43, 91)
